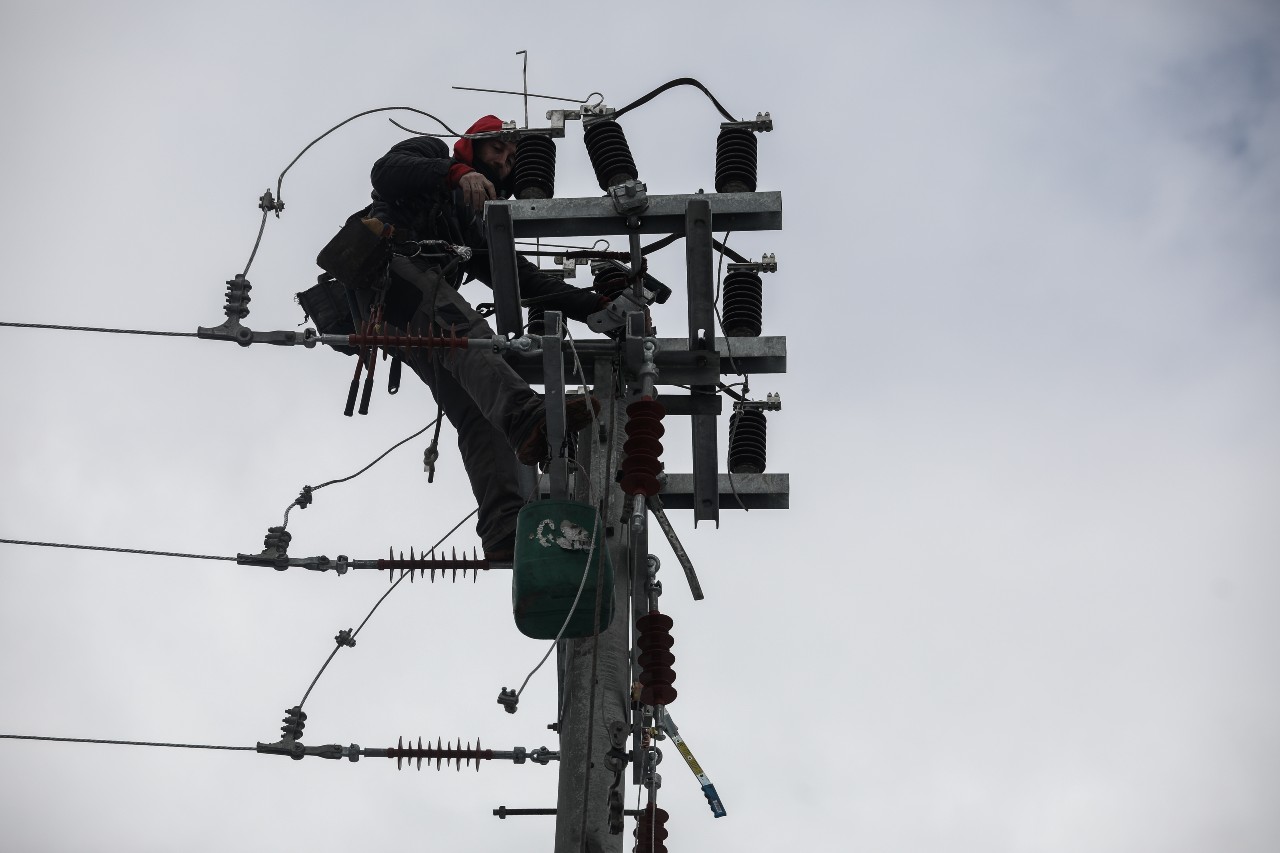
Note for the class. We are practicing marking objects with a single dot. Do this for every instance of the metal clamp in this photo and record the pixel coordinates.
(630, 198)
(763, 123)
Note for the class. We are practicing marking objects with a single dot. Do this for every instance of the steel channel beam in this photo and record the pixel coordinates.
(502, 267)
(757, 491)
(676, 362)
(702, 326)
(596, 217)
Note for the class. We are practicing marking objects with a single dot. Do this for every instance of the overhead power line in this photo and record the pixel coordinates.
(97, 329)
(126, 742)
(116, 550)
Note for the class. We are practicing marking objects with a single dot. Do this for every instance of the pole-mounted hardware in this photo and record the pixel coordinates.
(412, 756)
(667, 725)
(416, 566)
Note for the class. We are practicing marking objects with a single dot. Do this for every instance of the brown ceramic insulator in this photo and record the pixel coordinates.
(442, 753)
(609, 282)
(651, 830)
(409, 341)
(642, 451)
(653, 638)
(448, 567)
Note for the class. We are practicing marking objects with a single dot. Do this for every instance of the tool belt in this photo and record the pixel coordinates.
(358, 257)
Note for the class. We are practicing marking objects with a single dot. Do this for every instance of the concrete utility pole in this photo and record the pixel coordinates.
(601, 728)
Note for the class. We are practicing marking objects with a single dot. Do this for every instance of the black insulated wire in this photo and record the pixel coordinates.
(279, 200)
(679, 81)
(374, 609)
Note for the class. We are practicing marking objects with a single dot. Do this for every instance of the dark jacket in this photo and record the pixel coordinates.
(415, 189)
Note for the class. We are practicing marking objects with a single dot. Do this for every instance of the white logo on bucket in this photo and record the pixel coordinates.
(573, 537)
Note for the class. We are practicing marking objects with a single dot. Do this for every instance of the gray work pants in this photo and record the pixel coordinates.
(487, 402)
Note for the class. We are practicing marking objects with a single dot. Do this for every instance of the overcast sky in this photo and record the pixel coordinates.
(1024, 599)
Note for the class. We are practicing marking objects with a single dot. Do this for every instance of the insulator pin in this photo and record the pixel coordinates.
(534, 175)
(610, 155)
(747, 442)
(735, 161)
(742, 304)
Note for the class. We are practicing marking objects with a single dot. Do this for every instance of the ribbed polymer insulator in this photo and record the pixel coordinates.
(742, 304)
(736, 161)
(642, 450)
(449, 341)
(534, 175)
(651, 830)
(610, 281)
(447, 566)
(295, 720)
(610, 155)
(653, 638)
(441, 752)
(747, 442)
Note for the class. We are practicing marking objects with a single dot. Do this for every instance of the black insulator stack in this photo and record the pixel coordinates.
(534, 175)
(442, 753)
(277, 540)
(641, 462)
(447, 566)
(610, 281)
(537, 320)
(736, 161)
(610, 155)
(295, 720)
(237, 307)
(651, 830)
(747, 442)
(654, 641)
(742, 304)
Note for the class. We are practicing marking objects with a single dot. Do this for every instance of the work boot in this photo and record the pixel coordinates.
(578, 411)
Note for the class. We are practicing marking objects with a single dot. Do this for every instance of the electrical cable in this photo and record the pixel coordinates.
(125, 742)
(383, 598)
(116, 550)
(96, 329)
(679, 81)
(309, 490)
(278, 204)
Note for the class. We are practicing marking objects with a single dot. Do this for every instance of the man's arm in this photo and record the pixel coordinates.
(413, 168)
(551, 292)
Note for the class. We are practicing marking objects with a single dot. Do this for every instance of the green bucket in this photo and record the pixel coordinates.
(553, 539)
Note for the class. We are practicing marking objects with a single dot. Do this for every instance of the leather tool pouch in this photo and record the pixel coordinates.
(327, 304)
(356, 256)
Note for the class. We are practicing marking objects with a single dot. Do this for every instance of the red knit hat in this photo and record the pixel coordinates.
(462, 149)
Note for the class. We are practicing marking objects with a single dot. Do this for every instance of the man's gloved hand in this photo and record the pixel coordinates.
(476, 190)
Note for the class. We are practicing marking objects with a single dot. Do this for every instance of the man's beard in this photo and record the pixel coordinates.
(490, 173)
